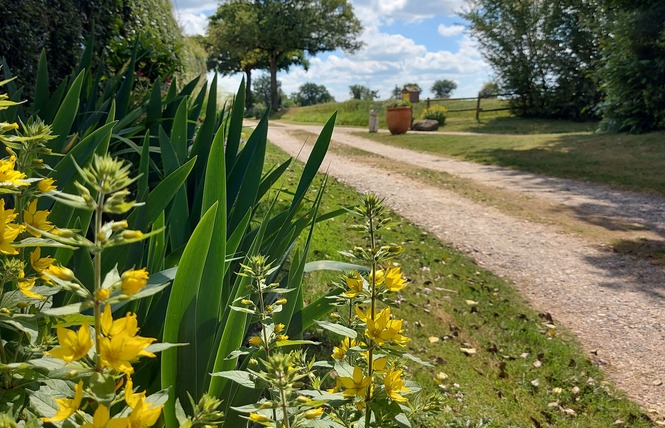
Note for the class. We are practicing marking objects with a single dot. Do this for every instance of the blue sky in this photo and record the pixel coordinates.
(406, 41)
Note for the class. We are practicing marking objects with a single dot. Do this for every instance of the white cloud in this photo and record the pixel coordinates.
(410, 11)
(385, 60)
(450, 30)
(192, 23)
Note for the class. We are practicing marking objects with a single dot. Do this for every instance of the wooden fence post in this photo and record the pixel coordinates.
(478, 109)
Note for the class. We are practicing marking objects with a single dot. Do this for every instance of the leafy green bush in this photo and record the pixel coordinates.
(435, 112)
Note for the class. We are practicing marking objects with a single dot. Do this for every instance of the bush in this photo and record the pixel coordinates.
(437, 113)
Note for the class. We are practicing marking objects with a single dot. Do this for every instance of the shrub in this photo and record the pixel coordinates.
(437, 113)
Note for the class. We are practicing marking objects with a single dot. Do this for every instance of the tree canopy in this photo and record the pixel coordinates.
(361, 92)
(545, 52)
(443, 88)
(276, 29)
(310, 93)
(231, 44)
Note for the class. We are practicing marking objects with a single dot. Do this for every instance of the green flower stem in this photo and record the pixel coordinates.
(285, 414)
(98, 280)
(370, 342)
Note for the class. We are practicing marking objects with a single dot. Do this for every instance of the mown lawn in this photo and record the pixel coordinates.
(633, 162)
(521, 369)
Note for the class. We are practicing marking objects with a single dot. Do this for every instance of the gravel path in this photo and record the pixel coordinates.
(612, 302)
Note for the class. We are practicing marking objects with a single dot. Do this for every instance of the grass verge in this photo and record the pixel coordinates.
(524, 369)
(632, 162)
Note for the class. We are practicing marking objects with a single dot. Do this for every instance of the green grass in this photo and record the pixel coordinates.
(633, 162)
(356, 113)
(498, 382)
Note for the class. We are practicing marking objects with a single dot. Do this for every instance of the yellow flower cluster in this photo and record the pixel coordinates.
(119, 343)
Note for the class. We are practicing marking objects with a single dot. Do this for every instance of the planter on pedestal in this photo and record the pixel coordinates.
(398, 119)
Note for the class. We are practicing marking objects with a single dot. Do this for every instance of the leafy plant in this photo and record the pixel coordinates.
(435, 112)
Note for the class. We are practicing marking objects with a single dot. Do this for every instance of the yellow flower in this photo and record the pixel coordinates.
(67, 407)
(378, 278)
(25, 286)
(314, 413)
(144, 414)
(281, 301)
(394, 385)
(379, 365)
(38, 263)
(37, 219)
(74, 345)
(121, 346)
(127, 325)
(255, 341)
(339, 352)
(382, 329)
(118, 352)
(9, 177)
(46, 185)
(394, 281)
(8, 231)
(133, 281)
(355, 285)
(357, 385)
(256, 417)
(282, 338)
(132, 398)
(279, 327)
(102, 419)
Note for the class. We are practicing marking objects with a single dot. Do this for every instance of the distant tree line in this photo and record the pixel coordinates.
(577, 59)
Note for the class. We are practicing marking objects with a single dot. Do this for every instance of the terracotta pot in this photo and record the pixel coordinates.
(398, 119)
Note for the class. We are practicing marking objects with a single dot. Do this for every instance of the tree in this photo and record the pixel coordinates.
(443, 88)
(281, 27)
(360, 92)
(489, 90)
(231, 43)
(634, 71)
(262, 91)
(310, 93)
(545, 52)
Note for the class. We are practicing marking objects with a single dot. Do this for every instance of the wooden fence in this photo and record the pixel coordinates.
(478, 109)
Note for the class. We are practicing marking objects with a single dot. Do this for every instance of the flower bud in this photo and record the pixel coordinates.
(102, 294)
(133, 281)
(132, 234)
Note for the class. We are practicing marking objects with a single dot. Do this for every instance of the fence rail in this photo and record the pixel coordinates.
(478, 109)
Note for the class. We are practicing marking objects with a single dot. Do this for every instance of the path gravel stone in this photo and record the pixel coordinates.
(614, 303)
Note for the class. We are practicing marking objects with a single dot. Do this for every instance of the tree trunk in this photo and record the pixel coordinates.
(249, 101)
(274, 95)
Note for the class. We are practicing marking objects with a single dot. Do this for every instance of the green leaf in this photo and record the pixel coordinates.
(402, 420)
(210, 288)
(334, 266)
(74, 308)
(238, 376)
(42, 92)
(67, 112)
(177, 371)
(337, 329)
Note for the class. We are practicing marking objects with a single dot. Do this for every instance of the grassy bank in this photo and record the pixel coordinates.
(520, 368)
(356, 113)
